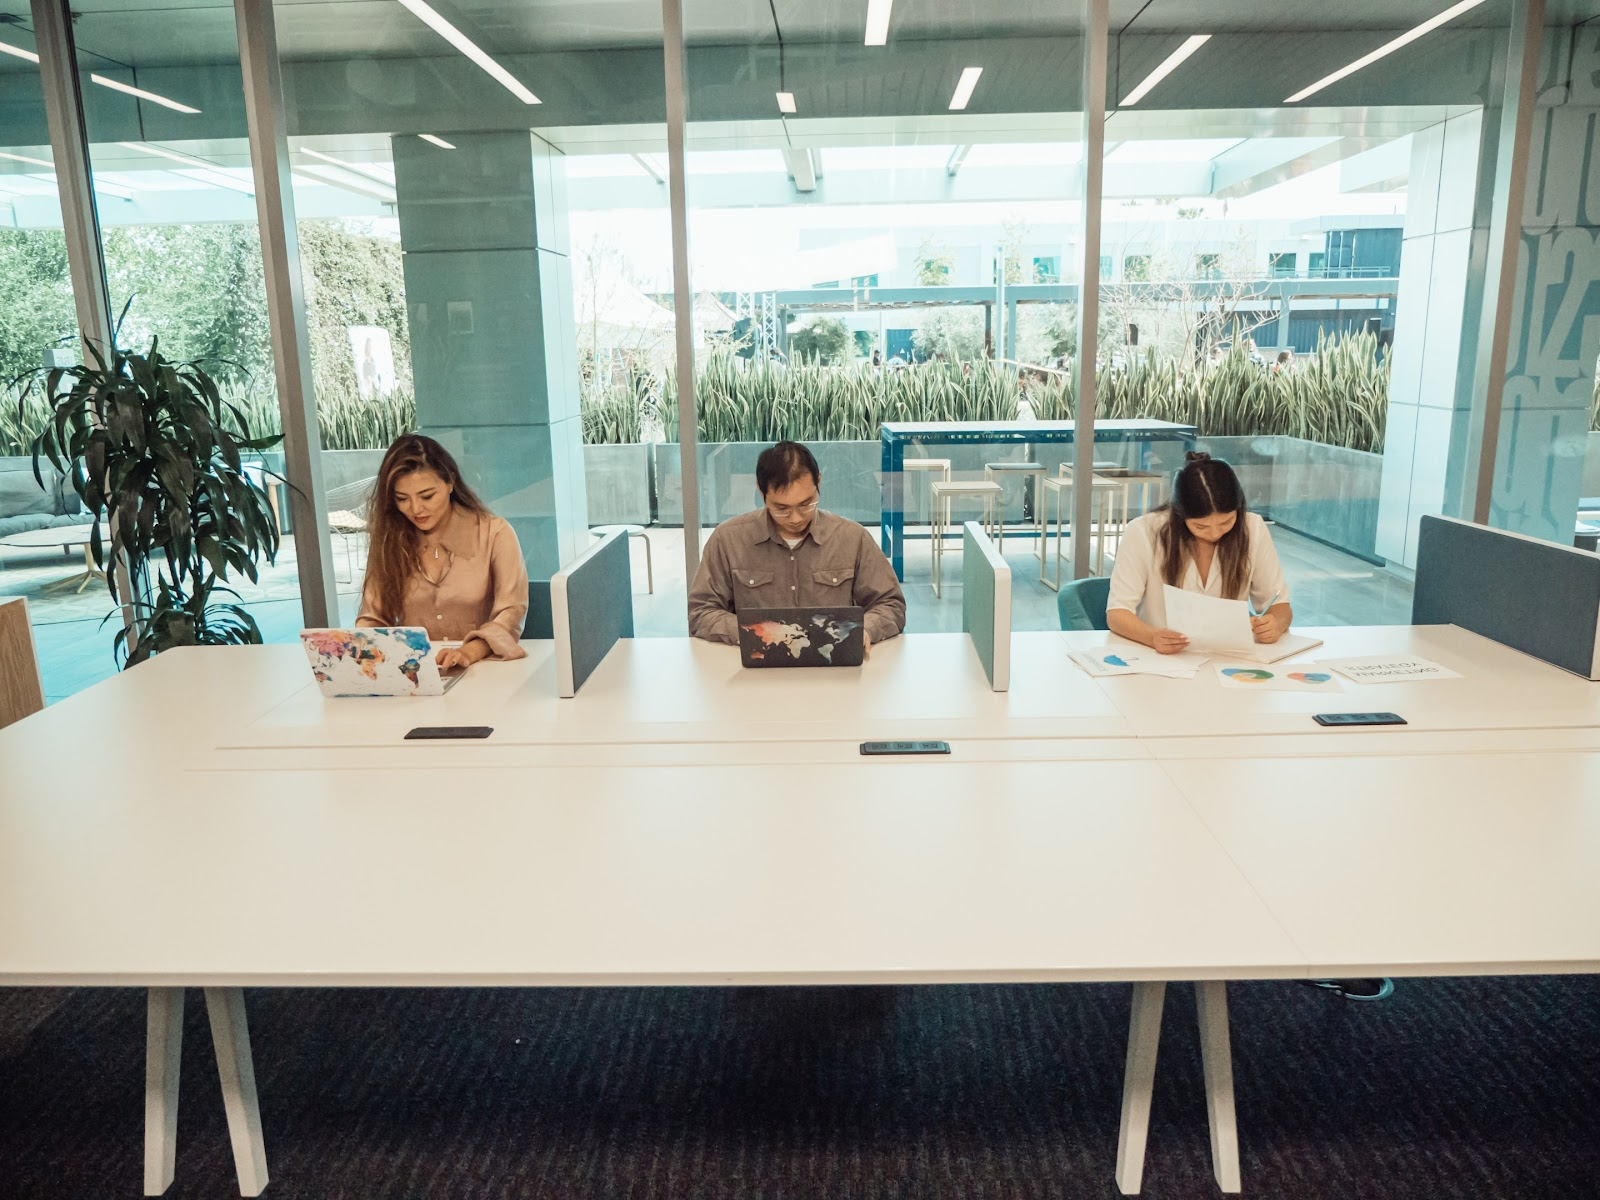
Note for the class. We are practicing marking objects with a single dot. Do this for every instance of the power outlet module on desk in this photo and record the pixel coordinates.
(905, 747)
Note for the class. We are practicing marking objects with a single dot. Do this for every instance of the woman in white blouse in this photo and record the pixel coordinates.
(1204, 540)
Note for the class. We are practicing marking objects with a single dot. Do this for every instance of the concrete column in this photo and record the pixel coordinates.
(483, 229)
(1430, 387)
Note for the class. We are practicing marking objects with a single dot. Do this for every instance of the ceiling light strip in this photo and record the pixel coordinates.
(969, 80)
(1405, 39)
(878, 22)
(130, 90)
(786, 102)
(437, 141)
(23, 158)
(371, 171)
(1168, 65)
(350, 183)
(426, 14)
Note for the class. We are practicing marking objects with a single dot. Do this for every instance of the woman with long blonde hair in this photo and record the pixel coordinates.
(440, 559)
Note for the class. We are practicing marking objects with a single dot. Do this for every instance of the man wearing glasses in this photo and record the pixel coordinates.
(788, 554)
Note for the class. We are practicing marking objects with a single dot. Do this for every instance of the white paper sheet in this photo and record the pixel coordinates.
(1130, 658)
(1388, 668)
(1297, 678)
(1210, 623)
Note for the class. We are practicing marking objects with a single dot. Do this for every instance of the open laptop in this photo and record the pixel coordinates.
(375, 662)
(802, 637)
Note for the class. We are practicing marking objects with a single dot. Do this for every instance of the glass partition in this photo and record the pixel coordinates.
(483, 230)
(1294, 274)
(885, 226)
(42, 528)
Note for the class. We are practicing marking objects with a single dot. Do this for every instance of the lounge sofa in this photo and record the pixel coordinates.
(25, 506)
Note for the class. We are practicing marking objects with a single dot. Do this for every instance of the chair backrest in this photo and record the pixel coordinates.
(591, 606)
(1535, 596)
(1081, 604)
(22, 693)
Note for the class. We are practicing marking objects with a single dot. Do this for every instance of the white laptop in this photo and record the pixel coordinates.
(375, 662)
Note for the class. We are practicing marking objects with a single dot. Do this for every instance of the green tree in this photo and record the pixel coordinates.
(955, 334)
(934, 263)
(864, 342)
(824, 341)
(200, 289)
(36, 312)
(354, 276)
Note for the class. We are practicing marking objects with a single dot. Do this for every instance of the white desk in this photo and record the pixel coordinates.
(894, 871)
(1469, 864)
(1124, 829)
(682, 690)
(1499, 689)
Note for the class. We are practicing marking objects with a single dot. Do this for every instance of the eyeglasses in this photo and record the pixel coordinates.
(793, 510)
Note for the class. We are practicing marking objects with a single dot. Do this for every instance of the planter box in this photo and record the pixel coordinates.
(850, 476)
(1326, 492)
(618, 483)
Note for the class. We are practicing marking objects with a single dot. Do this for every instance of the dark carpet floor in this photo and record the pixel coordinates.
(1452, 1088)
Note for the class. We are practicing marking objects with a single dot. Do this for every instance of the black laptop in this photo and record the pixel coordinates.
(802, 637)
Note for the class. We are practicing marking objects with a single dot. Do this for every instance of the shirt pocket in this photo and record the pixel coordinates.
(835, 584)
(751, 586)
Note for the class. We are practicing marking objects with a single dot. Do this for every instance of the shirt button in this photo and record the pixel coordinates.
(438, 616)
(791, 587)
(752, 583)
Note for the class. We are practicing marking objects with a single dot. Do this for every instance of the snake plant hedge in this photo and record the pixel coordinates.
(1338, 395)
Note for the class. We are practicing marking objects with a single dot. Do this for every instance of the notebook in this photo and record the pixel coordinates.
(802, 637)
(375, 662)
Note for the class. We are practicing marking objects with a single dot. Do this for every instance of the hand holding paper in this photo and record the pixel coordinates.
(1211, 624)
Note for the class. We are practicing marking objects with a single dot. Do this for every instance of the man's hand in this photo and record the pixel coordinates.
(1170, 641)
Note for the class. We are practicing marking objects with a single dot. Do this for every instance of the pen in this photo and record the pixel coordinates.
(1265, 608)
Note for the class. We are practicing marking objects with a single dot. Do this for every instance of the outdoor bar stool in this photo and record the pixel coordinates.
(1028, 470)
(943, 493)
(1061, 487)
(1152, 489)
(634, 531)
(941, 465)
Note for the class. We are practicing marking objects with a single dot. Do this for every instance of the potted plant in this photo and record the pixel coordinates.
(156, 452)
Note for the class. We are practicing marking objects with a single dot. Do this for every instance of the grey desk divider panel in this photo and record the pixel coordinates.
(591, 606)
(986, 603)
(1535, 596)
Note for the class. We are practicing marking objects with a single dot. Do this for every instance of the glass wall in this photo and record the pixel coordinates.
(1297, 269)
(170, 156)
(886, 228)
(885, 225)
(41, 529)
(487, 261)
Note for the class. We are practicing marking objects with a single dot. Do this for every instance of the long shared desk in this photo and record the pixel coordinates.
(1128, 829)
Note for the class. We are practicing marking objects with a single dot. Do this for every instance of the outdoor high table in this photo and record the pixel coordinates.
(896, 434)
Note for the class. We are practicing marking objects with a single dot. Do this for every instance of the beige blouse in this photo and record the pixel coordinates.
(482, 592)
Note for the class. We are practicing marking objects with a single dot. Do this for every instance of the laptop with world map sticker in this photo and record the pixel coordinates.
(802, 637)
(375, 662)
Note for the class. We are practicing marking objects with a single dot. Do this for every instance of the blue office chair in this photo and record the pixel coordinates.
(1081, 604)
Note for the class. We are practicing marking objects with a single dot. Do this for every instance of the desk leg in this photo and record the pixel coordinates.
(1144, 1038)
(1216, 1056)
(231, 1037)
(162, 1054)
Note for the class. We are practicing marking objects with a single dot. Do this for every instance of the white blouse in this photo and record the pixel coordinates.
(1136, 576)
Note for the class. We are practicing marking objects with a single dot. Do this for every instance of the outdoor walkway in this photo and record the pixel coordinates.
(1328, 587)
